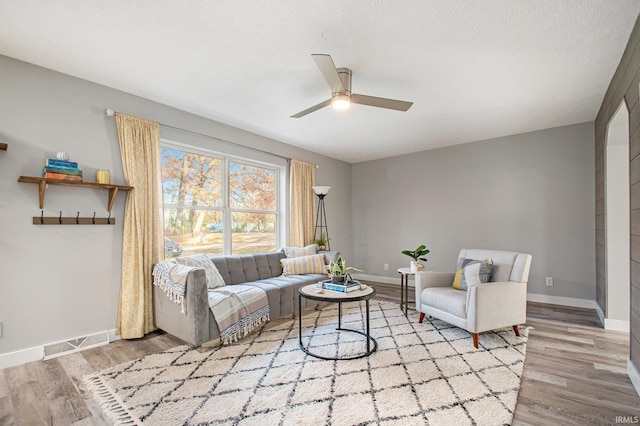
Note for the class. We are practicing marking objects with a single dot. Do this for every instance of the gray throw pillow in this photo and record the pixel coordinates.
(472, 272)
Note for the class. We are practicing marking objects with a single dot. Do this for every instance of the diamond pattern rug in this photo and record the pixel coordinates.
(421, 373)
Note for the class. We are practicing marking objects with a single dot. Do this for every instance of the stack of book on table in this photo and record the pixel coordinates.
(342, 288)
(62, 170)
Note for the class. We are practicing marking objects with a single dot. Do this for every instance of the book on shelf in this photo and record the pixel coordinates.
(61, 176)
(342, 288)
(52, 162)
(62, 170)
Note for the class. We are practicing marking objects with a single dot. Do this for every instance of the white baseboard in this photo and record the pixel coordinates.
(113, 336)
(634, 375)
(23, 356)
(531, 297)
(378, 279)
(617, 325)
(559, 300)
(612, 324)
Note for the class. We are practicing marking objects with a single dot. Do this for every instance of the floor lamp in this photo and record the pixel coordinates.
(321, 216)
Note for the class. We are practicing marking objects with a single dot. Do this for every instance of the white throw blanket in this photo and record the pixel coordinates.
(172, 279)
(237, 309)
(214, 279)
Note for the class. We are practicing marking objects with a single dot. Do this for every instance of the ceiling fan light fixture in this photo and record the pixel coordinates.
(340, 101)
(339, 80)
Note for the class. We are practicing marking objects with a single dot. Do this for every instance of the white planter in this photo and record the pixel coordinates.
(416, 266)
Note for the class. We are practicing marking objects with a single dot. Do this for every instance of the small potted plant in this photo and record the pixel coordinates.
(417, 255)
(322, 242)
(339, 272)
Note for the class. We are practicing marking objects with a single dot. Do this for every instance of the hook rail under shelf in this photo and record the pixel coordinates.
(75, 220)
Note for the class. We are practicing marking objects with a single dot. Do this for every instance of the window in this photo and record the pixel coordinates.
(217, 205)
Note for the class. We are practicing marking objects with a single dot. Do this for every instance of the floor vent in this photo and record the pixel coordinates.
(78, 344)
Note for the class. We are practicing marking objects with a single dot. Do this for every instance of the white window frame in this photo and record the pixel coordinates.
(279, 187)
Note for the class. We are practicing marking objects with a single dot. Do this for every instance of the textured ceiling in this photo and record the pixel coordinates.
(474, 69)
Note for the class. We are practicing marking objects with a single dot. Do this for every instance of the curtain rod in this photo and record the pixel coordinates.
(110, 113)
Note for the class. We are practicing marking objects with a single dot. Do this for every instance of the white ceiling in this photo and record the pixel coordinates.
(474, 69)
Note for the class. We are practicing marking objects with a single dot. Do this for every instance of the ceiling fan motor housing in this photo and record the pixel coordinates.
(345, 77)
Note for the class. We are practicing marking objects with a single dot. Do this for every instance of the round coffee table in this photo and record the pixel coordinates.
(311, 292)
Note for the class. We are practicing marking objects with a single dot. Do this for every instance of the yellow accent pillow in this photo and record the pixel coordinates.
(456, 280)
(313, 264)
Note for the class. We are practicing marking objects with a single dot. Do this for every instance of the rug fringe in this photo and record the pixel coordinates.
(110, 403)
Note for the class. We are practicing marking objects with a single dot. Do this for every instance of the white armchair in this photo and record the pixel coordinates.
(499, 303)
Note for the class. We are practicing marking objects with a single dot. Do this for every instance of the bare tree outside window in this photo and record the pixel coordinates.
(252, 198)
(197, 216)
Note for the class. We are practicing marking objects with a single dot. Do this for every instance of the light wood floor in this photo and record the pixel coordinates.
(574, 374)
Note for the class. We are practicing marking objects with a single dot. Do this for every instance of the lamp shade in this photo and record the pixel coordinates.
(321, 190)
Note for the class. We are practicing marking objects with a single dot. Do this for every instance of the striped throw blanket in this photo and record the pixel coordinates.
(237, 309)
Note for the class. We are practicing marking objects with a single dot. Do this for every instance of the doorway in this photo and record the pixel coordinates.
(617, 222)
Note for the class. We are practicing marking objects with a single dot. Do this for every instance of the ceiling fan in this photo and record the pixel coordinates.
(339, 80)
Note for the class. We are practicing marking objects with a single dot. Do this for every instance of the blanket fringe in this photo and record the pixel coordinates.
(162, 280)
(110, 403)
(245, 326)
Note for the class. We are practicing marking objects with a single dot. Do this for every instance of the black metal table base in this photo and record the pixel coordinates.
(372, 345)
(404, 292)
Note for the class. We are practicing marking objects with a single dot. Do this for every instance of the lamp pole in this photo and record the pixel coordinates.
(321, 216)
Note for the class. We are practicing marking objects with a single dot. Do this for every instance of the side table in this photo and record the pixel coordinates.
(404, 287)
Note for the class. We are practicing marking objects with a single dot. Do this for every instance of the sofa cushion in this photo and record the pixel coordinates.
(472, 272)
(285, 288)
(301, 265)
(301, 251)
(238, 269)
(447, 299)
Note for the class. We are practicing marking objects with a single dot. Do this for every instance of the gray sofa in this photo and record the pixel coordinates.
(262, 270)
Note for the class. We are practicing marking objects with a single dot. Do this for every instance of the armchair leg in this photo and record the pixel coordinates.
(475, 339)
(421, 317)
(516, 330)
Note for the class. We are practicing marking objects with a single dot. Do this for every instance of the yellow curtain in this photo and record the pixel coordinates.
(142, 240)
(302, 214)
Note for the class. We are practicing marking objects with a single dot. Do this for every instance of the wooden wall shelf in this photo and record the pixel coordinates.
(42, 183)
(3, 146)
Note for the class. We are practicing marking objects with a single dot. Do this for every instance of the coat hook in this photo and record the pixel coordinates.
(93, 220)
(42, 217)
(78, 218)
(109, 219)
(60, 218)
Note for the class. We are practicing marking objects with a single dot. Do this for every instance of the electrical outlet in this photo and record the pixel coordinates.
(549, 282)
(386, 266)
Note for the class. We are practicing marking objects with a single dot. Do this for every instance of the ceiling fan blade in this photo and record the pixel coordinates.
(329, 72)
(312, 109)
(380, 102)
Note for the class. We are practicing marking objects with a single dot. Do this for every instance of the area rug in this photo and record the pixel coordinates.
(427, 373)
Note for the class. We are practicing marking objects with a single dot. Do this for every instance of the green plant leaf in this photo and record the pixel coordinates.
(416, 254)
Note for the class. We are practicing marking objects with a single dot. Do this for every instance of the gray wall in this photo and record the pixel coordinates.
(60, 282)
(624, 86)
(531, 193)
